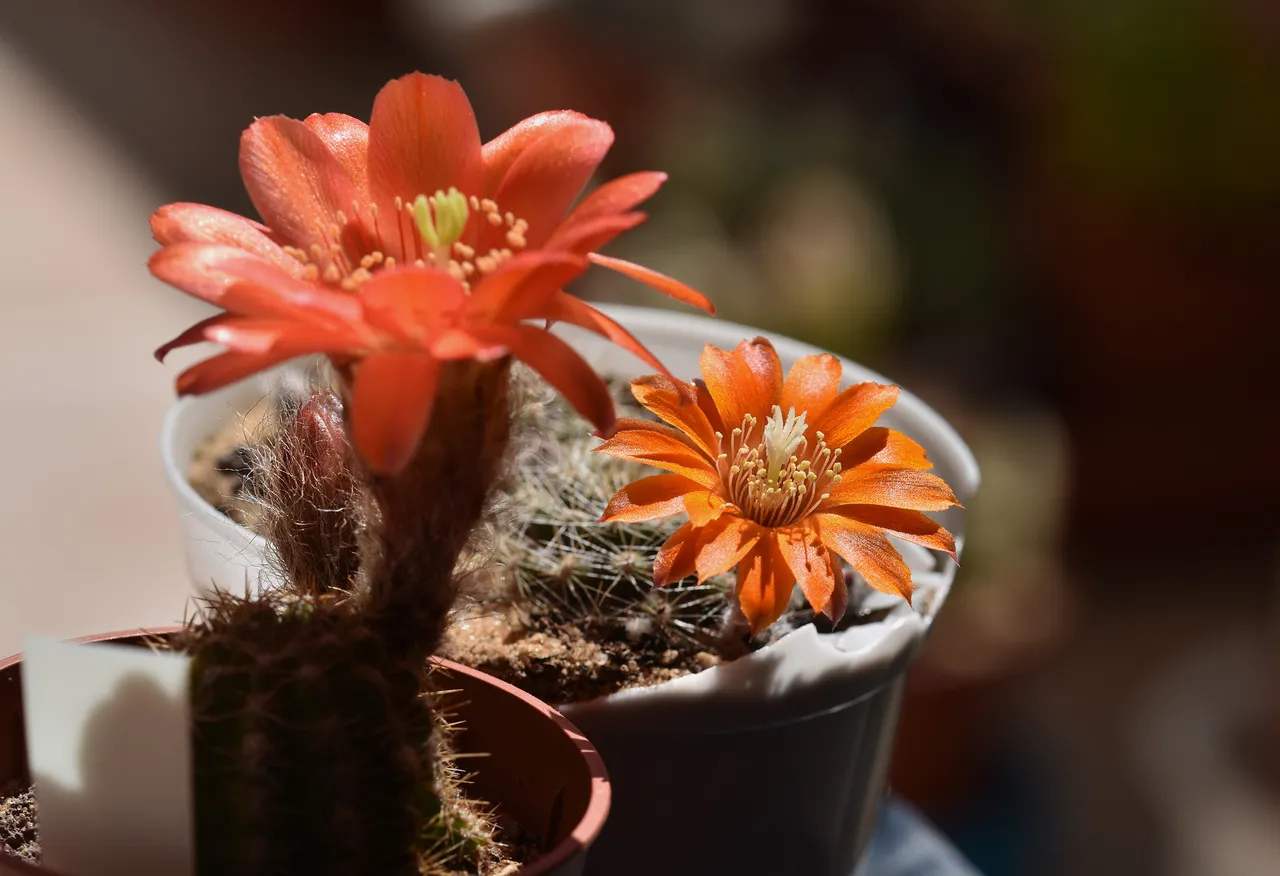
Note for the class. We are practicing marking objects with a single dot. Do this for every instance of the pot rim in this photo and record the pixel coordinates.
(577, 842)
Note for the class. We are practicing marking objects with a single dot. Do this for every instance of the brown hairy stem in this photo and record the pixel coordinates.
(426, 513)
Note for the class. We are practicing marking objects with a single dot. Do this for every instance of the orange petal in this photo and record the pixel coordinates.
(224, 369)
(704, 506)
(548, 175)
(560, 365)
(839, 602)
(196, 223)
(907, 525)
(296, 183)
(391, 405)
(670, 400)
(804, 554)
(723, 542)
(868, 551)
(422, 138)
(502, 151)
(747, 380)
(648, 499)
(886, 447)
(853, 411)
(707, 405)
(811, 385)
(765, 584)
(666, 285)
(662, 447)
(348, 140)
(675, 560)
(874, 484)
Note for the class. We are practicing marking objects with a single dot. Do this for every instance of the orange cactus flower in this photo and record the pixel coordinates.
(779, 477)
(400, 244)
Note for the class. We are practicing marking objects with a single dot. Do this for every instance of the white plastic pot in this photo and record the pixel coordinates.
(772, 764)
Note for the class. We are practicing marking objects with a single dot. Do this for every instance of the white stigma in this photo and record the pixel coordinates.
(782, 438)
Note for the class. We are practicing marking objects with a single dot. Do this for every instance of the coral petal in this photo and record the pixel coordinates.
(502, 151)
(390, 407)
(196, 223)
(560, 365)
(664, 284)
(563, 307)
(543, 181)
(296, 183)
(224, 369)
(524, 287)
(412, 303)
(592, 234)
(648, 499)
(348, 140)
(422, 138)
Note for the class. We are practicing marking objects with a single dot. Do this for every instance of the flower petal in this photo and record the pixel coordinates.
(708, 406)
(666, 285)
(593, 233)
(907, 525)
(297, 184)
(560, 365)
(391, 402)
(874, 484)
(884, 446)
(648, 499)
(194, 335)
(853, 411)
(839, 602)
(662, 447)
(422, 138)
(563, 307)
(746, 380)
(869, 552)
(523, 288)
(704, 506)
(670, 400)
(502, 151)
(197, 223)
(224, 369)
(811, 385)
(348, 140)
(675, 559)
(765, 584)
(804, 554)
(548, 175)
(723, 542)
(413, 304)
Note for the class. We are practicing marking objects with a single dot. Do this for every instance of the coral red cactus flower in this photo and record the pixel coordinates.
(779, 477)
(401, 244)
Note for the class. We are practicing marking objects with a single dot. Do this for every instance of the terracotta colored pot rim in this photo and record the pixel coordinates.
(577, 842)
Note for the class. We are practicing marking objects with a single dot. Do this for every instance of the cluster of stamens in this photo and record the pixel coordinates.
(777, 478)
(427, 229)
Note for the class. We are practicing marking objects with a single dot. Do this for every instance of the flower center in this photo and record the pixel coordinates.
(777, 479)
(428, 230)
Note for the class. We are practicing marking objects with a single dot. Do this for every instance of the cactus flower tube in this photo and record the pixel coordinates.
(779, 478)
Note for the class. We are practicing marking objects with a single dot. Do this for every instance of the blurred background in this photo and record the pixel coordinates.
(1057, 222)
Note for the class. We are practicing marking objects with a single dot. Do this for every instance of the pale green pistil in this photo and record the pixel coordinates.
(441, 219)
